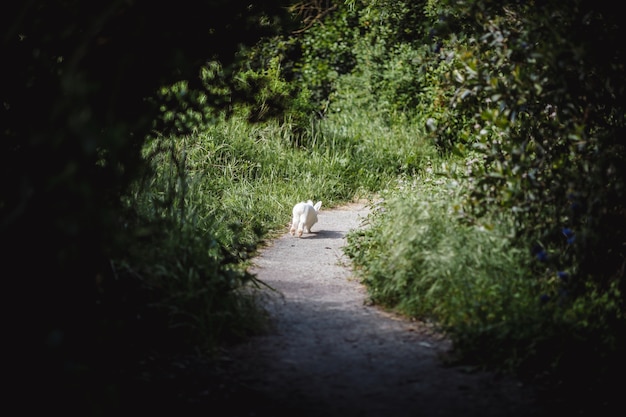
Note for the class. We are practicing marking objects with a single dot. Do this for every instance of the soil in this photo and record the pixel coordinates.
(330, 353)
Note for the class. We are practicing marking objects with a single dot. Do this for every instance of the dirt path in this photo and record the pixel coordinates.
(332, 355)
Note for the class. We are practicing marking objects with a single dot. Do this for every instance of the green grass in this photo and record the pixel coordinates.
(420, 256)
(423, 256)
(213, 197)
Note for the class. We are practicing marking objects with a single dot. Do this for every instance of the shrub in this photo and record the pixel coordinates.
(417, 256)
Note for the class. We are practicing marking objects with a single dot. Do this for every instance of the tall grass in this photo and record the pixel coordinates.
(213, 197)
(420, 256)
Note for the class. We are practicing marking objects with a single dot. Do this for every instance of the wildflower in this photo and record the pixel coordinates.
(540, 253)
(569, 234)
(544, 298)
(564, 276)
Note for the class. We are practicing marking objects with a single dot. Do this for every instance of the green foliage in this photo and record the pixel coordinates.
(419, 256)
(327, 52)
(532, 99)
(399, 60)
(391, 54)
(189, 259)
(183, 109)
(211, 198)
(391, 143)
(423, 256)
(271, 94)
(395, 23)
(549, 131)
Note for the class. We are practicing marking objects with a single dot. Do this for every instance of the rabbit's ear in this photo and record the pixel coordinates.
(318, 205)
(310, 202)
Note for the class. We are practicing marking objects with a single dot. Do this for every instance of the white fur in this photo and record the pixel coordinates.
(304, 217)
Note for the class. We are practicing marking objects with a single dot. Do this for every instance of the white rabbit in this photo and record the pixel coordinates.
(304, 217)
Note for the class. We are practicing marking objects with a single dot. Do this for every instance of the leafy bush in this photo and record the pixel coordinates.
(549, 131)
(326, 52)
(421, 257)
(532, 99)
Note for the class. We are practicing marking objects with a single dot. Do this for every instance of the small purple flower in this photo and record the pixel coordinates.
(544, 298)
(563, 275)
(569, 234)
(540, 253)
(542, 256)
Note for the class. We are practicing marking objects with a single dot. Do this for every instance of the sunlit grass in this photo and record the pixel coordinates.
(423, 257)
(220, 193)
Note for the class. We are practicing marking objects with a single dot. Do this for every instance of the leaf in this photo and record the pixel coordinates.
(458, 76)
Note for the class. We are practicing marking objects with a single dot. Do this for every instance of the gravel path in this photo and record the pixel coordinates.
(330, 354)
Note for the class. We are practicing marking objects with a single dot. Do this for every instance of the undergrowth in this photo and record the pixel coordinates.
(212, 197)
(422, 256)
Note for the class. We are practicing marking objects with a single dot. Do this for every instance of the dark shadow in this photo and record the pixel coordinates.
(324, 234)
